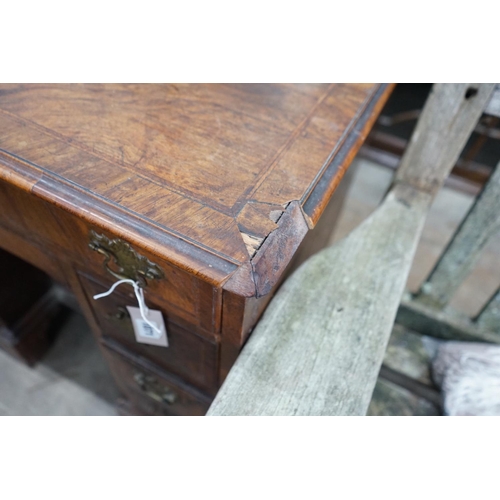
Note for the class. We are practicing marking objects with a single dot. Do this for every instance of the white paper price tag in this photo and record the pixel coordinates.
(143, 331)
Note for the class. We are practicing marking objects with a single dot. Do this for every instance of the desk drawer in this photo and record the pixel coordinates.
(73, 240)
(151, 393)
(192, 357)
(30, 217)
(184, 295)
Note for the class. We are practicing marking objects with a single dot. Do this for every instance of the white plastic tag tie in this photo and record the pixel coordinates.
(139, 293)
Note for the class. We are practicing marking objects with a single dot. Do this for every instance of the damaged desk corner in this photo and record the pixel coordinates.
(204, 195)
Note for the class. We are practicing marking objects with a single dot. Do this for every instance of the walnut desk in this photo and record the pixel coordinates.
(203, 194)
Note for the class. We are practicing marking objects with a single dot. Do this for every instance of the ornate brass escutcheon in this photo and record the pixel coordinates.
(130, 264)
(150, 386)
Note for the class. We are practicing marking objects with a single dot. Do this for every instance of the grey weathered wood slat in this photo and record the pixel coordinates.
(320, 344)
(493, 106)
(489, 317)
(447, 324)
(457, 261)
(432, 144)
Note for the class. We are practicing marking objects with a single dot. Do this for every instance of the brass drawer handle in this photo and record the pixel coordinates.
(121, 317)
(130, 264)
(121, 313)
(150, 386)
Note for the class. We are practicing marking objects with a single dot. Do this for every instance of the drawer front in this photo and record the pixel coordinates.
(30, 218)
(150, 393)
(190, 356)
(182, 294)
(61, 233)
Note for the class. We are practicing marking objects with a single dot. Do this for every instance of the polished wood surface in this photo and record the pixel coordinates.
(219, 163)
(214, 187)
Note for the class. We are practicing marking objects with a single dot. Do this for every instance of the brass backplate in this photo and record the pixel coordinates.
(127, 263)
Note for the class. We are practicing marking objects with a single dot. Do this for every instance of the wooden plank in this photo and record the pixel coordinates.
(320, 344)
(445, 324)
(394, 399)
(493, 106)
(482, 221)
(447, 120)
(414, 386)
(489, 317)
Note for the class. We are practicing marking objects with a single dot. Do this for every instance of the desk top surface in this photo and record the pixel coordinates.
(214, 169)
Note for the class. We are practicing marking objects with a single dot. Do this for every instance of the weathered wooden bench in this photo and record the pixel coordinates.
(319, 347)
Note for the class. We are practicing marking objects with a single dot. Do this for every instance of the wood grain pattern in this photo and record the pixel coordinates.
(320, 345)
(216, 185)
(211, 158)
(447, 324)
(189, 355)
(183, 400)
(459, 107)
(463, 251)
